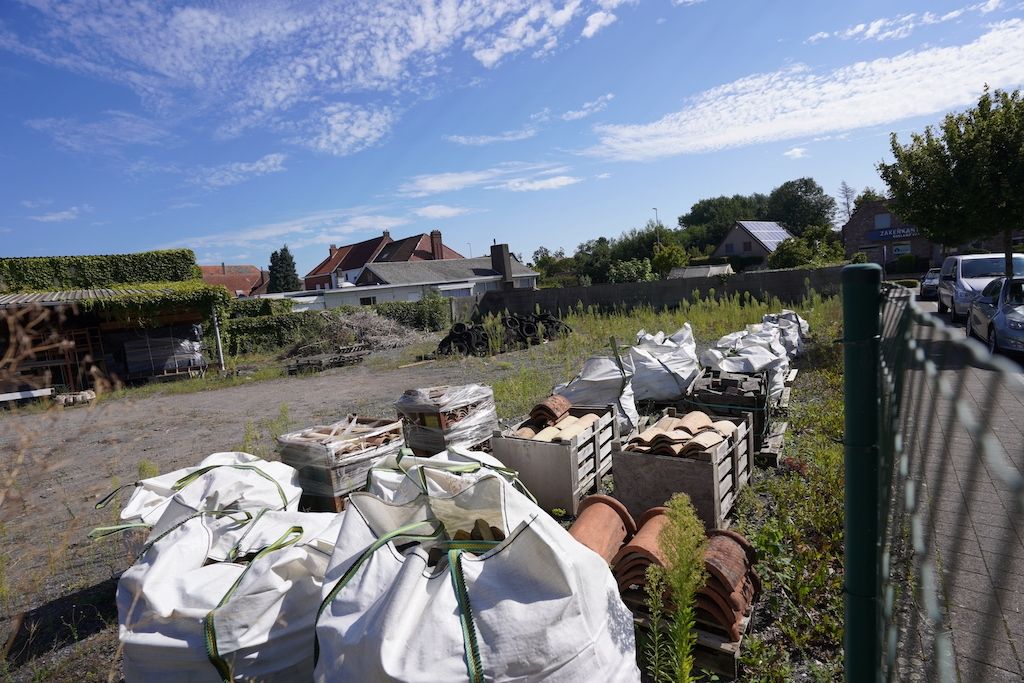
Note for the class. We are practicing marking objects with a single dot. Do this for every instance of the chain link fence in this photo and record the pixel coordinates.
(934, 495)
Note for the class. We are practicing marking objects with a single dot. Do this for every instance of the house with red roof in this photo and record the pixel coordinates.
(240, 280)
(345, 264)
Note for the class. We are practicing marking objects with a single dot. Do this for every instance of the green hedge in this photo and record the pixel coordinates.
(272, 332)
(147, 299)
(89, 272)
(432, 312)
(252, 308)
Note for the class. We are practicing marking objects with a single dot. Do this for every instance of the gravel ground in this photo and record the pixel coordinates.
(56, 586)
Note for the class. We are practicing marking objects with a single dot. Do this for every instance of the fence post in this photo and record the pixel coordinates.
(861, 639)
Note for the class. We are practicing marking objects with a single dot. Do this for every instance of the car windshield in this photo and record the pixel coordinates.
(1015, 297)
(934, 272)
(989, 267)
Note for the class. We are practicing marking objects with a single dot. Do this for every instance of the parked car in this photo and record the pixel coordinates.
(997, 315)
(930, 283)
(963, 277)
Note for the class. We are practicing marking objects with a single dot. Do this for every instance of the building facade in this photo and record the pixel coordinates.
(883, 237)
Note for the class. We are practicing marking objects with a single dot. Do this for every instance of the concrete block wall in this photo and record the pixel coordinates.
(788, 285)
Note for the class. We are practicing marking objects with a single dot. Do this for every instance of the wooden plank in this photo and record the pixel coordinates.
(30, 393)
(791, 377)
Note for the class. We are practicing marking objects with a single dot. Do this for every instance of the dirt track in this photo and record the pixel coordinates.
(59, 620)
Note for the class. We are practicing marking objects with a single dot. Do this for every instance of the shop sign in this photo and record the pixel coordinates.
(888, 234)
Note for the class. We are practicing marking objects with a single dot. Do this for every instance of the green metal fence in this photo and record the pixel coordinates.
(934, 495)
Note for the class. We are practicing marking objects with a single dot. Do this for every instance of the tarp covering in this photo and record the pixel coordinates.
(602, 381)
(425, 429)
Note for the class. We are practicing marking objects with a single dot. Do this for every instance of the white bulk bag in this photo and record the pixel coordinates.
(602, 381)
(401, 478)
(188, 611)
(756, 349)
(663, 366)
(794, 329)
(222, 480)
(535, 606)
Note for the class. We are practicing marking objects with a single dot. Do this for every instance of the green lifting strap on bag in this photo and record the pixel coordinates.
(105, 500)
(289, 537)
(191, 477)
(457, 468)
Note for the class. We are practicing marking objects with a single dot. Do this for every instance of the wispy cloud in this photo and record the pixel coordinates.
(532, 185)
(262, 65)
(588, 108)
(894, 28)
(440, 211)
(69, 214)
(237, 171)
(795, 153)
(596, 22)
(498, 176)
(507, 136)
(117, 130)
(796, 101)
(35, 203)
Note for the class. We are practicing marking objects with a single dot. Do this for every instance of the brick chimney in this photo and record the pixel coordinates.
(387, 236)
(334, 249)
(436, 247)
(501, 263)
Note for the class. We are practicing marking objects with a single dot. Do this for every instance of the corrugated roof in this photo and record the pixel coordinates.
(700, 271)
(447, 270)
(768, 233)
(69, 296)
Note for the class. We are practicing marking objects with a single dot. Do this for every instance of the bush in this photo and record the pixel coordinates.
(633, 270)
(906, 283)
(432, 312)
(790, 253)
(253, 308)
(90, 272)
(859, 257)
(271, 332)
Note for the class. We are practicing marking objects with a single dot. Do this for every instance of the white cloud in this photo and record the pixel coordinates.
(268, 65)
(596, 22)
(117, 130)
(237, 171)
(603, 176)
(507, 136)
(61, 216)
(796, 101)
(437, 183)
(894, 28)
(795, 153)
(528, 185)
(588, 108)
(440, 211)
(35, 203)
(342, 129)
(686, 3)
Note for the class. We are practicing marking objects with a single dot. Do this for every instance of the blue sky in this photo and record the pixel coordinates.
(233, 128)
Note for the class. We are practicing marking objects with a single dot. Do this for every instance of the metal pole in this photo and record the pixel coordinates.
(216, 334)
(861, 637)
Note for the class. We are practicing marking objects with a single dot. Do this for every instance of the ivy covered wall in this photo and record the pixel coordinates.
(45, 273)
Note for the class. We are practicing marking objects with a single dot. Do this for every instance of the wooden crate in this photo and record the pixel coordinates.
(327, 475)
(698, 397)
(771, 451)
(561, 473)
(712, 478)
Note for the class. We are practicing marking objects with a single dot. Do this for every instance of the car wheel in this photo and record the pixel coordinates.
(942, 306)
(993, 345)
(970, 327)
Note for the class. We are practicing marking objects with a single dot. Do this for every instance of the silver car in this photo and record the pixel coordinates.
(997, 315)
(930, 283)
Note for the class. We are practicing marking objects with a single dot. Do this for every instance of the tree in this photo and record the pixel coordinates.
(667, 257)
(964, 180)
(790, 253)
(710, 219)
(634, 270)
(594, 259)
(846, 197)
(869, 194)
(283, 277)
(799, 204)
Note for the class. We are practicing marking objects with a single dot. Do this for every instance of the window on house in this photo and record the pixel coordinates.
(367, 300)
(747, 246)
(729, 248)
(883, 221)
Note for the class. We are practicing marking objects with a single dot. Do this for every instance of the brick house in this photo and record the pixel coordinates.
(884, 237)
(239, 280)
(751, 239)
(346, 263)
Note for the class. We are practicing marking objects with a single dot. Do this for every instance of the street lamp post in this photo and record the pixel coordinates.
(657, 224)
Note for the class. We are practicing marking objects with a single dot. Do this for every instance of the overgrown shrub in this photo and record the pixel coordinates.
(432, 312)
(271, 332)
(252, 308)
(90, 272)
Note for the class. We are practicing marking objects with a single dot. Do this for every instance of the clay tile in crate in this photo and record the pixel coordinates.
(603, 525)
(551, 408)
(630, 563)
(727, 574)
(720, 613)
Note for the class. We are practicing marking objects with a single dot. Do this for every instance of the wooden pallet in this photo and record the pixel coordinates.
(714, 651)
(345, 356)
(771, 452)
(791, 377)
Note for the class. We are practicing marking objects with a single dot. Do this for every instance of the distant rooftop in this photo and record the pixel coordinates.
(768, 233)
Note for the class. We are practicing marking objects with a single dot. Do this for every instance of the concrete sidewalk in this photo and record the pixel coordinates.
(974, 519)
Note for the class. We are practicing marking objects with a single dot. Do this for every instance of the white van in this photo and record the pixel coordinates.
(963, 277)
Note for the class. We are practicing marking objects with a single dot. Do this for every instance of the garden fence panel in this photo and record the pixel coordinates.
(934, 495)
